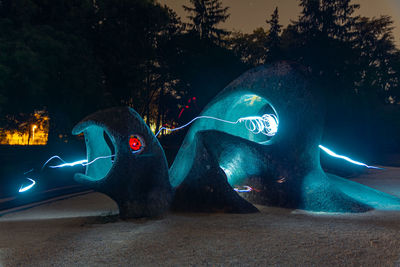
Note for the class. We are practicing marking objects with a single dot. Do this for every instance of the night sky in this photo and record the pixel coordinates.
(247, 15)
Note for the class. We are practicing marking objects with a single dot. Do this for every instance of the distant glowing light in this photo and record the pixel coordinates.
(266, 124)
(33, 132)
(37, 134)
(333, 154)
(28, 187)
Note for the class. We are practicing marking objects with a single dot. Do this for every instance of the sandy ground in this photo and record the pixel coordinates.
(82, 231)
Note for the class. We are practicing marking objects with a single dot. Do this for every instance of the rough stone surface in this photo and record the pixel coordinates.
(138, 182)
(286, 169)
(216, 156)
(206, 189)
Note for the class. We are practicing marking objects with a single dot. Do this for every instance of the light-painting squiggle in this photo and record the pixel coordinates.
(83, 162)
(266, 124)
(26, 188)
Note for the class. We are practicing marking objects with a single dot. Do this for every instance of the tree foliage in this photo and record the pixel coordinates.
(355, 60)
(72, 57)
(274, 42)
(260, 46)
(204, 16)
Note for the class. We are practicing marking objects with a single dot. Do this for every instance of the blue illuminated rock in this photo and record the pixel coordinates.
(137, 177)
(257, 142)
(283, 170)
(206, 188)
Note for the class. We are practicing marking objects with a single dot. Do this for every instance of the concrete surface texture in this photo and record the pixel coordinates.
(82, 231)
(283, 168)
(137, 179)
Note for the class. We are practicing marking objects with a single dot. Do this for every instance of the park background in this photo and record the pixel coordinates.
(61, 60)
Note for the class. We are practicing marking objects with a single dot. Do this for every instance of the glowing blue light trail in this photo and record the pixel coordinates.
(266, 124)
(333, 154)
(245, 189)
(83, 162)
(31, 170)
(26, 188)
(67, 164)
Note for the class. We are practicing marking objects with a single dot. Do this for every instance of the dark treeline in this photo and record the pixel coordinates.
(72, 57)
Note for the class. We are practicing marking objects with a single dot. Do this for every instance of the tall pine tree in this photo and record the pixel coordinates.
(273, 39)
(205, 15)
(333, 18)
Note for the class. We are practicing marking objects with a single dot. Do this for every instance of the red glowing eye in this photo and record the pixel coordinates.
(134, 143)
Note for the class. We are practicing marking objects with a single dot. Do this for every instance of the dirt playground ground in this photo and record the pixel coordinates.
(83, 231)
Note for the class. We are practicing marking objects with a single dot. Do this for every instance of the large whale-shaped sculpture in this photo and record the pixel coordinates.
(216, 157)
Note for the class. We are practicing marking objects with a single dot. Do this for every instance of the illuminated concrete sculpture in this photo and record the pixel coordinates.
(257, 142)
(283, 170)
(127, 162)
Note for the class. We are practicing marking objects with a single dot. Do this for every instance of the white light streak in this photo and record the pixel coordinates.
(266, 124)
(83, 162)
(26, 188)
(333, 154)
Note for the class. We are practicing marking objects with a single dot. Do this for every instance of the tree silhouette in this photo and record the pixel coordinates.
(259, 47)
(251, 48)
(377, 55)
(74, 57)
(333, 18)
(273, 40)
(205, 15)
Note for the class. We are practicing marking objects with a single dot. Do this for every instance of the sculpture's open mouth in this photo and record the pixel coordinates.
(101, 153)
(242, 114)
(259, 124)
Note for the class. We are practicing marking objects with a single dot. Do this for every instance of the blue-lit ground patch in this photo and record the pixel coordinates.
(367, 195)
